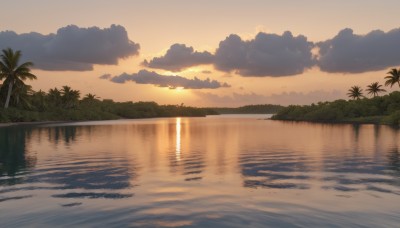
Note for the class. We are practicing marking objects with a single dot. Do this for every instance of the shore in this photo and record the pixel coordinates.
(30, 123)
(375, 120)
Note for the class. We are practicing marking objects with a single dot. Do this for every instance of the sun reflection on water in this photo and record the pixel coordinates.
(178, 139)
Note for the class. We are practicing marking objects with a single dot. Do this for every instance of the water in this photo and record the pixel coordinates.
(233, 171)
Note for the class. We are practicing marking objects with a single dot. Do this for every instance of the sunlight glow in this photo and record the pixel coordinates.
(178, 139)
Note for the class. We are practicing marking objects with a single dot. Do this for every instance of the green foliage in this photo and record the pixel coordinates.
(392, 119)
(376, 109)
(64, 105)
(13, 73)
(250, 109)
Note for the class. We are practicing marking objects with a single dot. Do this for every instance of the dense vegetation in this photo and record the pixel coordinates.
(40, 107)
(385, 109)
(250, 109)
(65, 104)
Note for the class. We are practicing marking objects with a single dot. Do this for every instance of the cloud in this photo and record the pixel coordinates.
(286, 98)
(265, 55)
(72, 48)
(105, 76)
(179, 57)
(351, 53)
(151, 77)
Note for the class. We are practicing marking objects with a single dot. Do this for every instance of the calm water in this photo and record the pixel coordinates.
(234, 171)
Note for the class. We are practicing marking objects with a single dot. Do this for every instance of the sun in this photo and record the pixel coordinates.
(179, 89)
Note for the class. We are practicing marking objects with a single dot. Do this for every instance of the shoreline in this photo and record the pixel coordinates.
(33, 123)
(354, 122)
(38, 123)
(30, 123)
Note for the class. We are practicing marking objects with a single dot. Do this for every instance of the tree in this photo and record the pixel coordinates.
(54, 96)
(70, 97)
(21, 95)
(90, 97)
(355, 92)
(39, 100)
(393, 77)
(12, 72)
(375, 89)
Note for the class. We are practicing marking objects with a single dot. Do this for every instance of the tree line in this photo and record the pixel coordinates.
(376, 109)
(250, 109)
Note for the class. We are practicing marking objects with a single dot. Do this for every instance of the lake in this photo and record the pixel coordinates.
(217, 171)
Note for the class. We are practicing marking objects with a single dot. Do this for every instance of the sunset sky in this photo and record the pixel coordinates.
(206, 52)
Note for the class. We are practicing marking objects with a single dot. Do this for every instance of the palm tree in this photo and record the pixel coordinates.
(21, 94)
(12, 72)
(54, 96)
(90, 97)
(355, 92)
(39, 99)
(375, 89)
(70, 97)
(393, 77)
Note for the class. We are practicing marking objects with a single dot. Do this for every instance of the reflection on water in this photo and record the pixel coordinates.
(178, 139)
(207, 172)
(270, 169)
(13, 156)
(189, 164)
(394, 161)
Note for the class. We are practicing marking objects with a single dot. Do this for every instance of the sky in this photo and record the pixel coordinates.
(206, 53)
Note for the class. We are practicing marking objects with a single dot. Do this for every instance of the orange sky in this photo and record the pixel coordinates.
(156, 25)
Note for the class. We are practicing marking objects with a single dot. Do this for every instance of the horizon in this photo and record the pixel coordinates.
(206, 54)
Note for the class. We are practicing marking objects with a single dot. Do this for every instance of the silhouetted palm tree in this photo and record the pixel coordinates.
(90, 96)
(21, 94)
(11, 71)
(355, 92)
(54, 96)
(375, 89)
(393, 77)
(40, 100)
(70, 97)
